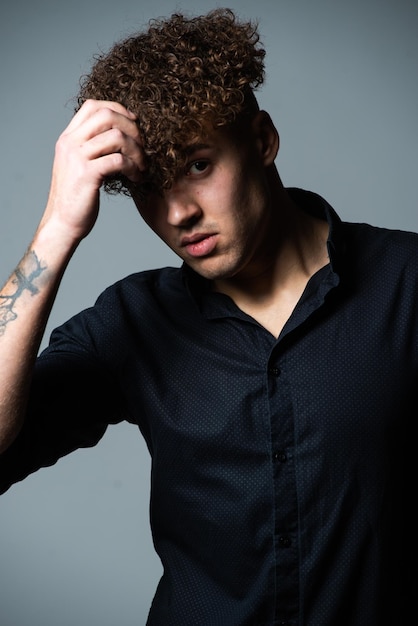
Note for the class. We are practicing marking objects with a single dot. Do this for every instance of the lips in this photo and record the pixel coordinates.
(200, 244)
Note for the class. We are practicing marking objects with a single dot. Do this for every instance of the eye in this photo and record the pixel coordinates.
(197, 167)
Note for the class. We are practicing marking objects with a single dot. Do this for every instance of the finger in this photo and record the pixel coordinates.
(104, 132)
(106, 119)
(115, 141)
(116, 164)
(91, 107)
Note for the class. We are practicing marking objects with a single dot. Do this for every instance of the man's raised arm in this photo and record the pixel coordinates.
(101, 140)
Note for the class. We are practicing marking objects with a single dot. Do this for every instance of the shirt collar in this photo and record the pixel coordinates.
(316, 205)
(312, 203)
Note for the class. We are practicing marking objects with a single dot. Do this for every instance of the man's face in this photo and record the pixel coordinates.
(216, 215)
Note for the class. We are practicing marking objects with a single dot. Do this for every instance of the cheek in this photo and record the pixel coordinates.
(153, 215)
(224, 196)
(159, 227)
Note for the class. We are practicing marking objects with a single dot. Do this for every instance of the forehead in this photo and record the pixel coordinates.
(210, 138)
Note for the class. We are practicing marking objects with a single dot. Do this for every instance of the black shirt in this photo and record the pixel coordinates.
(283, 470)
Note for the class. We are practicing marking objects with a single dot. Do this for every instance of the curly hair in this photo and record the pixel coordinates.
(180, 77)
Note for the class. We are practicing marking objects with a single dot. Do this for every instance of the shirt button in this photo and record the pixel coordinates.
(284, 542)
(274, 371)
(280, 456)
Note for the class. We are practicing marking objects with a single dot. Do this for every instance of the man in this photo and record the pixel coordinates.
(273, 376)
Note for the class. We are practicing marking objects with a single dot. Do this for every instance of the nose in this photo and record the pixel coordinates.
(182, 209)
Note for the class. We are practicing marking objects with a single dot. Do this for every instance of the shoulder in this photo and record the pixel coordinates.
(394, 245)
(145, 286)
(381, 261)
(137, 301)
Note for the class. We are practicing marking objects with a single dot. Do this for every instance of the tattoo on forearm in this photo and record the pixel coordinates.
(24, 279)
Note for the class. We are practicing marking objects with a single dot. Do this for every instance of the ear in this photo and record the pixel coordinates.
(266, 137)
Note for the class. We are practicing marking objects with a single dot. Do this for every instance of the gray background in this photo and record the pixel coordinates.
(75, 546)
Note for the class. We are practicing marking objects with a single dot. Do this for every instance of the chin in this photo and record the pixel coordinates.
(215, 272)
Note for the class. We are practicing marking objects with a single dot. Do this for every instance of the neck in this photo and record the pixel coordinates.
(294, 250)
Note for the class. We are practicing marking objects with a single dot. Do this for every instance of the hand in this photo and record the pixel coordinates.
(101, 140)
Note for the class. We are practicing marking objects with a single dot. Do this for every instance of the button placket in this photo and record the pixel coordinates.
(285, 499)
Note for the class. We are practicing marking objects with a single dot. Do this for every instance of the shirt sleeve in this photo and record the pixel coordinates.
(73, 399)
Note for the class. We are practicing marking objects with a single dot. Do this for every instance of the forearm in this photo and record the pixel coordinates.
(25, 304)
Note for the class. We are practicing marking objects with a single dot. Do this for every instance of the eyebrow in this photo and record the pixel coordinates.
(194, 147)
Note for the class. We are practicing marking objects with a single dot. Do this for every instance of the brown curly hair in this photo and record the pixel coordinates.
(180, 77)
